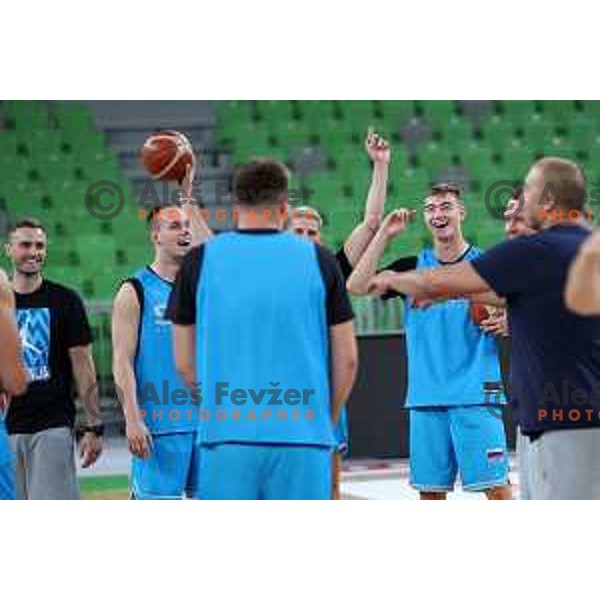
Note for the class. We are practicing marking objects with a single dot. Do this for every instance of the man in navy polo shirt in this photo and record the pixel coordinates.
(555, 354)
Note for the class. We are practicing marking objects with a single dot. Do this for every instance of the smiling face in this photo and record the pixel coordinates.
(171, 233)
(27, 250)
(443, 214)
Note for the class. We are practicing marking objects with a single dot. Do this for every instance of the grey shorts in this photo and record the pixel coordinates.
(564, 465)
(45, 465)
(523, 451)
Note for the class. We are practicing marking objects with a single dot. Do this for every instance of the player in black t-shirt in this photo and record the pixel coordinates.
(307, 222)
(56, 347)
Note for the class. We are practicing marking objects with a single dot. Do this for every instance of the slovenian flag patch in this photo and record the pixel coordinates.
(495, 455)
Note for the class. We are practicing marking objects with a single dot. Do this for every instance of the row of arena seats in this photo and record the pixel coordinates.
(475, 144)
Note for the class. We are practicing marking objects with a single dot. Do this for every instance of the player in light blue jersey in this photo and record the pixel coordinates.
(161, 414)
(306, 221)
(12, 381)
(262, 318)
(453, 365)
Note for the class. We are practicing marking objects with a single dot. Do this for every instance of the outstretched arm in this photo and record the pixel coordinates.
(432, 285)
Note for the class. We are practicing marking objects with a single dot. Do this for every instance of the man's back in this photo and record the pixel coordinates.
(264, 303)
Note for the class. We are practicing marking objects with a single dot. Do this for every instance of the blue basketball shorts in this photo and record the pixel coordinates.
(465, 440)
(265, 472)
(171, 470)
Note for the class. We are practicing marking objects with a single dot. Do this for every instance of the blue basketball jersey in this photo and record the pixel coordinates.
(451, 360)
(263, 341)
(167, 405)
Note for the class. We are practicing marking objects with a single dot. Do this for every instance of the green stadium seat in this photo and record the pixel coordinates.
(559, 112)
(54, 167)
(97, 252)
(477, 159)
(85, 141)
(73, 117)
(101, 348)
(434, 158)
(289, 134)
(334, 136)
(357, 110)
(9, 141)
(591, 109)
(458, 133)
(13, 170)
(71, 277)
(410, 186)
(561, 147)
(27, 115)
(518, 158)
(593, 163)
(539, 134)
(315, 113)
(41, 143)
(274, 111)
(583, 134)
(351, 159)
(518, 112)
(438, 113)
(137, 255)
(498, 133)
(395, 112)
(327, 190)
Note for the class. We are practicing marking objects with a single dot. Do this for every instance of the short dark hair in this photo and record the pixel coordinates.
(438, 189)
(152, 213)
(261, 181)
(26, 223)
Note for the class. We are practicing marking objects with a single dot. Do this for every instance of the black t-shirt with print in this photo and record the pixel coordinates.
(51, 320)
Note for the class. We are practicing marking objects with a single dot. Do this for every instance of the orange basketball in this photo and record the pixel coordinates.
(166, 154)
(479, 312)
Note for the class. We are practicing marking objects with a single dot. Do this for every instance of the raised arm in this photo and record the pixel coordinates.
(200, 229)
(125, 324)
(582, 292)
(379, 152)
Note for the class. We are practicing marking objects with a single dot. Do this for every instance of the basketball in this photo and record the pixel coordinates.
(479, 312)
(166, 155)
